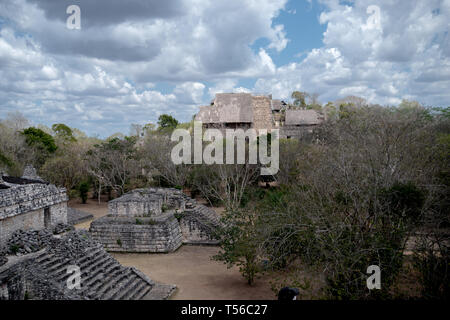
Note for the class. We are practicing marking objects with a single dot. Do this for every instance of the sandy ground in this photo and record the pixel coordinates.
(196, 275)
(92, 206)
(190, 268)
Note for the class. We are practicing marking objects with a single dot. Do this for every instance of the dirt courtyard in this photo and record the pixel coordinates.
(190, 268)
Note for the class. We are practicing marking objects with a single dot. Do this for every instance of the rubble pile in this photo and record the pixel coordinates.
(24, 242)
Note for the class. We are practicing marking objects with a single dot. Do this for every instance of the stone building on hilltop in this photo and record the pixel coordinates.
(245, 111)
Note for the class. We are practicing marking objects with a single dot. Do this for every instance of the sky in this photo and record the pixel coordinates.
(133, 60)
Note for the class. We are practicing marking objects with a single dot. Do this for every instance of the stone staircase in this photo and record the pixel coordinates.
(102, 276)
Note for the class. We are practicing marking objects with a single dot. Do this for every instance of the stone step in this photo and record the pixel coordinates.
(119, 285)
(142, 292)
(49, 261)
(107, 267)
(97, 279)
(110, 284)
(43, 258)
(89, 254)
(100, 275)
(58, 266)
(84, 266)
(92, 270)
(96, 289)
(137, 290)
(128, 288)
(96, 263)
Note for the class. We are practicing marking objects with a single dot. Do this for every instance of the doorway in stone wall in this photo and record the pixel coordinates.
(47, 217)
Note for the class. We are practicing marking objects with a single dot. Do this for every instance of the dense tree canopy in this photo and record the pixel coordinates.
(166, 121)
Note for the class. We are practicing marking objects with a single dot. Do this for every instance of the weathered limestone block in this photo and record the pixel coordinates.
(198, 225)
(136, 204)
(154, 220)
(30, 205)
(126, 234)
(262, 112)
(25, 198)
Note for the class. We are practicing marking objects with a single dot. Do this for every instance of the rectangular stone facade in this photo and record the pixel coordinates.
(26, 221)
(262, 112)
(135, 209)
(31, 207)
(122, 234)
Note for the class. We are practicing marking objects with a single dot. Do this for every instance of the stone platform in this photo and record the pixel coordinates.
(156, 220)
(159, 233)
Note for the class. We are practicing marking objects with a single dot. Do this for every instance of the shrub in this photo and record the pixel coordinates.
(83, 190)
(14, 248)
(404, 200)
(432, 260)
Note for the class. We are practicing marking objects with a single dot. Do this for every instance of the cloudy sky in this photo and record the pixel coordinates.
(134, 60)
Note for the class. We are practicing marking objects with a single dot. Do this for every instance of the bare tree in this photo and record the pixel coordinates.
(113, 163)
(155, 155)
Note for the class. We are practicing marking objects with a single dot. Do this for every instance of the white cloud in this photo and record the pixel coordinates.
(404, 56)
(104, 76)
(190, 92)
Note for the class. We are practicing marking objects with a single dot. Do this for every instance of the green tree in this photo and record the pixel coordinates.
(83, 189)
(64, 132)
(166, 121)
(239, 243)
(42, 143)
(37, 137)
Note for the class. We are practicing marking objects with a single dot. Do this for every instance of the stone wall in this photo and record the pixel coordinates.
(58, 213)
(130, 228)
(262, 112)
(25, 198)
(125, 234)
(297, 132)
(23, 207)
(198, 225)
(26, 221)
(134, 208)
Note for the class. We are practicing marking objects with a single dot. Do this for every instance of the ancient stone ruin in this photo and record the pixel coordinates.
(44, 275)
(154, 220)
(28, 203)
(34, 261)
(245, 111)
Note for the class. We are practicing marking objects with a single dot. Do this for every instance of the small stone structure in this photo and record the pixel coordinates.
(300, 123)
(154, 220)
(28, 203)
